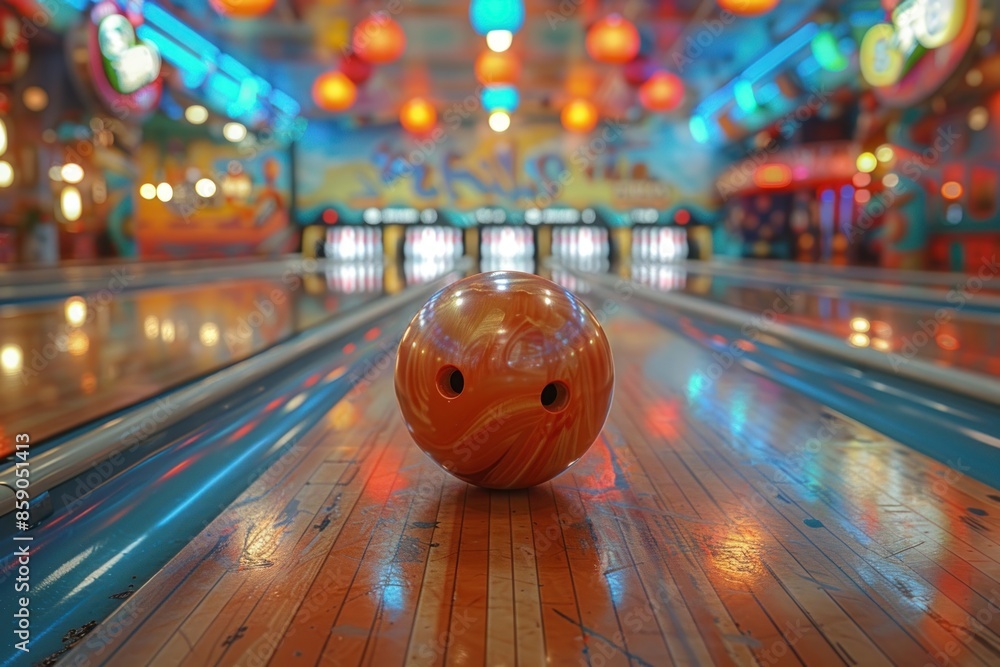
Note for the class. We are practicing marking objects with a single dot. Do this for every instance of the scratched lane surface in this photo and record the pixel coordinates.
(732, 522)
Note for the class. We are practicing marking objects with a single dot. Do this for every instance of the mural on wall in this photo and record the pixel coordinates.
(221, 200)
(535, 165)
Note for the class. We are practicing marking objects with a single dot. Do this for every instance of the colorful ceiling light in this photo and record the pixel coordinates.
(503, 98)
(333, 91)
(499, 40)
(497, 68)
(579, 116)
(664, 91)
(378, 39)
(418, 116)
(748, 7)
(499, 121)
(356, 69)
(242, 9)
(487, 16)
(613, 39)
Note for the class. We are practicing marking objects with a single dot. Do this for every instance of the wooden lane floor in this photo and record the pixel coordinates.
(727, 521)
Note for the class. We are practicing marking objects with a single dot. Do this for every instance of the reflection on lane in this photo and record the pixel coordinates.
(946, 334)
(791, 271)
(65, 363)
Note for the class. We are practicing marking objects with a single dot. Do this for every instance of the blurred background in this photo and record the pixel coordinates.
(217, 219)
(847, 133)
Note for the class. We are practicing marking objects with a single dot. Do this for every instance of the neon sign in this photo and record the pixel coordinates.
(123, 69)
(129, 63)
(890, 50)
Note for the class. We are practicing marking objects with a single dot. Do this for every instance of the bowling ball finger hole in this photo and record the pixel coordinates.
(555, 396)
(450, 382)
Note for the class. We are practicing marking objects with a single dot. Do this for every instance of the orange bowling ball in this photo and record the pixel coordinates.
(504, 379)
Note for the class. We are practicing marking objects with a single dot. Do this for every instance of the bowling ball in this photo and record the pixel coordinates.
(504, 379)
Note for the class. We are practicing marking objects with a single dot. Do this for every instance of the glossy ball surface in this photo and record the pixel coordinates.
(504, 379)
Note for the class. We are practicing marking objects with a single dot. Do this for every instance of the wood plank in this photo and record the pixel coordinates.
(501, 642)
(530, 636)
(430, 635)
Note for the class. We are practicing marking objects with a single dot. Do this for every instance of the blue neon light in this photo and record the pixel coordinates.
(234, 68)
(223, 87)
(782, 52)
(179, 32)
(745, 96)
(487, 15)
(767, 92)
(194, 69)
(285, 103)
(808, 67)
(699, 129)
(230, 84)
(500, 97)
(768, 62)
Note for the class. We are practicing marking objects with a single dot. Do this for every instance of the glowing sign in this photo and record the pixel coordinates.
(130, 64)
(932, 23)
(123, 70)
(890, 50)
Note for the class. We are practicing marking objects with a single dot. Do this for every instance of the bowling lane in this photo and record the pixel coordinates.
(69, 361)
(975, 294)
(733, 521)
(945, 331)
(934, 280)
(34, 283)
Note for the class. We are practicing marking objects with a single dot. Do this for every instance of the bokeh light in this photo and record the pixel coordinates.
(378, 39)
(951, 190)
(867, 162)
(613, 39)
(164, 192)
(196, 114)
(11, 359)
(334, 91)
(579, 116)
(499, 121)
(499, 40)
(75, 310)
(234, 132)
(418, 116)
(6, 174)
